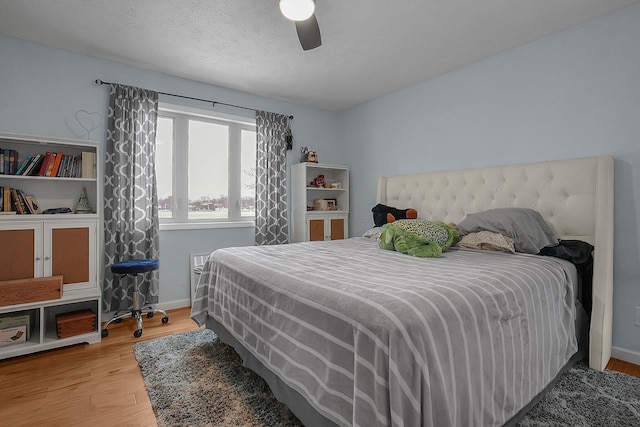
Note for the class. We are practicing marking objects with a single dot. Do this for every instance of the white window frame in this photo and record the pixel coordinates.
(181, 116)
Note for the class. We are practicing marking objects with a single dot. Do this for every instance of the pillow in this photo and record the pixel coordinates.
(436, 231)
(488, 241)
(526, 227)
(372, 232)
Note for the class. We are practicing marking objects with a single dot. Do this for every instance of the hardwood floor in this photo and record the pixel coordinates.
(98, 384)
(625, 367)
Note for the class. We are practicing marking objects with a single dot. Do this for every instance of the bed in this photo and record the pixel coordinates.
(348, 334)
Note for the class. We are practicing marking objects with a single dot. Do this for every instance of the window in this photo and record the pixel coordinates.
(205, 167)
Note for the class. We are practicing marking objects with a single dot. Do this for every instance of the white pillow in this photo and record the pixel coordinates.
(372, 232)
(526, 227)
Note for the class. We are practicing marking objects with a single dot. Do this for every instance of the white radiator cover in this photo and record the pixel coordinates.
(196, 263)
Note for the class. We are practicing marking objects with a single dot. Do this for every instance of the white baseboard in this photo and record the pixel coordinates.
(170, 305)
(626, 355)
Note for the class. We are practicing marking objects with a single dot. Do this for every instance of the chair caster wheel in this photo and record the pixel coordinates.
(165, 319)
(149, 315)
(117, 321)
(105, 333)
(137, 333)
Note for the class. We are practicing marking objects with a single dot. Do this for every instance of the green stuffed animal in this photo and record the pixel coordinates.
(428, 239)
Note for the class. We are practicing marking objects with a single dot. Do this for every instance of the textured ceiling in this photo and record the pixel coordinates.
(370, 47)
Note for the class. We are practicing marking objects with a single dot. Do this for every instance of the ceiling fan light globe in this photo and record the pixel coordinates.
(297, 10)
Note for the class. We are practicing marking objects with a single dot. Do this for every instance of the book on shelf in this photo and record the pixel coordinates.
(52, 162)
(88, 164)
(56, 165)
(77, 167)
(65, 166)
(13, 162)
(73, 167)
(23, 203)
(34, 166)
(1, 198)
(5, 161)
(32, 203)
(28, 166)
(1, 161)
(24, 165)
(45, 164)
(15, 200)
(7, 200)
(72, 161)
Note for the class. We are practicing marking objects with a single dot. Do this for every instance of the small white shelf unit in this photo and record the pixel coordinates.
(315, 224)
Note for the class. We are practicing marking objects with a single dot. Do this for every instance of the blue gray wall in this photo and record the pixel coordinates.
(575, 94)
(41, 89)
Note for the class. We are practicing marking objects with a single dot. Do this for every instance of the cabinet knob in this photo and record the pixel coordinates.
(47, 258)
(38, 258)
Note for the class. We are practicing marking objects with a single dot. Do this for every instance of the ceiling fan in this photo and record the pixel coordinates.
(302, 13)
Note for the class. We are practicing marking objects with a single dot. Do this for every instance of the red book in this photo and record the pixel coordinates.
(45, 164)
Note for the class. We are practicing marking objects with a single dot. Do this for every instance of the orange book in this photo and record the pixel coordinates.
(52, 162)
(56, 165)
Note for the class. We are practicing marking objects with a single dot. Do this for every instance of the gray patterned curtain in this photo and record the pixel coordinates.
(130, 208)
(272, 226)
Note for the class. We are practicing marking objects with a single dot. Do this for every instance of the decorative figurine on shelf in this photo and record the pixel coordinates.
(312, 157)
(318, 182)
(308, 155)
(83, 203)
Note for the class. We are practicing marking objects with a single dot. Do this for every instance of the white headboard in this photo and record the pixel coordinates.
(574, 196)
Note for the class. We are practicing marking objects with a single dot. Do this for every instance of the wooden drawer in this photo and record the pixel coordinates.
(22, 291)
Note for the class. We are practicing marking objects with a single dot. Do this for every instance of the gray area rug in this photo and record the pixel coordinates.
(195, 380)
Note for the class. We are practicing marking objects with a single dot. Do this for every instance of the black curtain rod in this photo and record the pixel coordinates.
(100, 82)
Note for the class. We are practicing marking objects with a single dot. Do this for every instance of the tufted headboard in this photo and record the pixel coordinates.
(574, 196)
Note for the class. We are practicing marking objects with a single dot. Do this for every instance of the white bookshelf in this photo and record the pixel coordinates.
(308, 223)
(43, 245)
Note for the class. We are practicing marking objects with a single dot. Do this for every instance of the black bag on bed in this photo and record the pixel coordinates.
(581, 255)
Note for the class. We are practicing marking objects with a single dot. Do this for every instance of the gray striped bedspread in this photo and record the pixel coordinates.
(376, 338)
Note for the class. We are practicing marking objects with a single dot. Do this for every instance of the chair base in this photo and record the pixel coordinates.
(149, 311)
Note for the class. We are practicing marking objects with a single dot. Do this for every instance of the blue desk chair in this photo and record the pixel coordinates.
(133, 268)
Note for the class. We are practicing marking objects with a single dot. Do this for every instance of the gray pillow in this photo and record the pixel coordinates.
(526, 227)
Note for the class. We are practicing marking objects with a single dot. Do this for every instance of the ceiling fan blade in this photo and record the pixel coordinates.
(309, 33)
